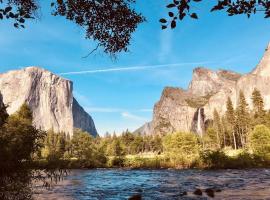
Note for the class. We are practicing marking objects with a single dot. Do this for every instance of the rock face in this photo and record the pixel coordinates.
(146, 129)
(191, 109)
(82, 119)
(49, 97)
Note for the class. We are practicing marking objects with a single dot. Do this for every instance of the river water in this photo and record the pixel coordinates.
(121, 184)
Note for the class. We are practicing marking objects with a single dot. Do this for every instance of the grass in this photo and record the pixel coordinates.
(220, 159)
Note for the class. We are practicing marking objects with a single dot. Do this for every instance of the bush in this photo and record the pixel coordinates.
(182, 149)
(214, 159)
(141, 162)
(259, 141)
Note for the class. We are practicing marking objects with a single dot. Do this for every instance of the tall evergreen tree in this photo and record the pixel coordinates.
(230, 118)
(3, 113)
(217, 126)
(258, 107)
(25, 113)
(242, 118)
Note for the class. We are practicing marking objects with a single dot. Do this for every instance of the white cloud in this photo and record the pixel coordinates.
(81, 98)
(145, 110)
(114, 110)
(128, 115)
(103, 110)
(133, 68)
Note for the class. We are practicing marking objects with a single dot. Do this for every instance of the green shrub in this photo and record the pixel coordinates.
(140, 162)
(259, 141)
(181, 149)
(214, 159)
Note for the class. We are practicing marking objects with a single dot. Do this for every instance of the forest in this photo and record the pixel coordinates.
(238, 139)
(241, 134)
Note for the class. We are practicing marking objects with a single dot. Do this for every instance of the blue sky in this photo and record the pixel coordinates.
(123, 99)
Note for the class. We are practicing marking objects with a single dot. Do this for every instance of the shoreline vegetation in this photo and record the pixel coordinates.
(238, 139)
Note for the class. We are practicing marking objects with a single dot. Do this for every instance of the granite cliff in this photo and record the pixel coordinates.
(49, 97)
(191, 109)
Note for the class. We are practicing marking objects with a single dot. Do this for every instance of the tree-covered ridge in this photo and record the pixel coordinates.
(241, 132)
(240, 129)
(234, 127)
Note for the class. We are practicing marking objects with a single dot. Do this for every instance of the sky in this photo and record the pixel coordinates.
(120, 93)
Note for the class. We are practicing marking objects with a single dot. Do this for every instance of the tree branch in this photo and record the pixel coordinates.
(91, 51)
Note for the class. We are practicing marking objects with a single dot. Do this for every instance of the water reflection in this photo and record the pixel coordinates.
(163, 184)
(23, 184)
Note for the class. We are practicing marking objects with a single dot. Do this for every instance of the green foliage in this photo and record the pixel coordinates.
(258, 108)
(259, 141)
(214, 159)
(181, 148)
(242, 120)
(217, 127)
(3, 113)
(19, 140)
(230, 121)
(210, 139)
(138, 162)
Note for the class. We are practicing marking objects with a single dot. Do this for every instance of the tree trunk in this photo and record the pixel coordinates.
(234, 140)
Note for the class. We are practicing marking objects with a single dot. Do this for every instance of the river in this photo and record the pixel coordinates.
(114, 184)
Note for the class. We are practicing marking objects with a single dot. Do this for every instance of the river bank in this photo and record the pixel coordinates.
(232, 159)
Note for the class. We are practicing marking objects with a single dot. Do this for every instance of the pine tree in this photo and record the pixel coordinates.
(258, 107)
(3, 114)
(242, 118)
(217, 126)
(25, 113)
(230, 118)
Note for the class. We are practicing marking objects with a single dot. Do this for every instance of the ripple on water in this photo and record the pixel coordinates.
(117, 184)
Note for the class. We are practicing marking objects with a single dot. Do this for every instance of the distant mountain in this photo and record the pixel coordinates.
(191, 109)
(145, 129)
(50, 98)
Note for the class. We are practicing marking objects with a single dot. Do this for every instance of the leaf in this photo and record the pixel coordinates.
(7, 9)
(182, 15)
(16, 25)
(173, 24)
(163, 20)
(163, 27)
(11, 15)
(1, 16)
(171, 14)
(176, 2)
(171, 5)
(194, 16)
(27, 16)
(52, 4)
(21, 20)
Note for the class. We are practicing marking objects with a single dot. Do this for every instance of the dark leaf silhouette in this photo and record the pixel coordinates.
(171, 14)
(232, 8)
(108, 22)
(173, 24)
(163, 20)
(171, 5)
(194, 16)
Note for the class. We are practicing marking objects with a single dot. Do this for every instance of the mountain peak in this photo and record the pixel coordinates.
(263, 68)
(50, 98)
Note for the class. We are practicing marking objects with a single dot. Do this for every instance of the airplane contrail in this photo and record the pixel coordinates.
(133, 68)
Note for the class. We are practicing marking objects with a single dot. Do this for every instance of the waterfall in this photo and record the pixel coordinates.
(199, 127)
